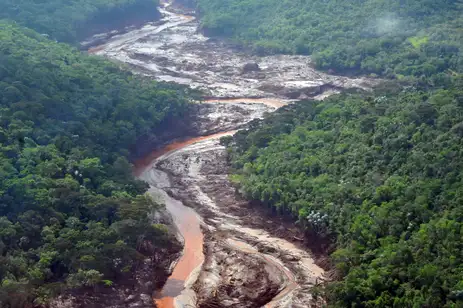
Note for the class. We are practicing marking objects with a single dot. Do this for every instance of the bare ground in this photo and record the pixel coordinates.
(252, 258)
(236, 239)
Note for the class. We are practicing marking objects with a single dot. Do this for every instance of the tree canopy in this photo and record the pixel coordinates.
(70, 21)
(380, 174)
(71, 212)
(384, 37)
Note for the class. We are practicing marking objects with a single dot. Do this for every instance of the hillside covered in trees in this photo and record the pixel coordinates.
(378, 174)
(384, 37)
(71, 213)
(71, 21)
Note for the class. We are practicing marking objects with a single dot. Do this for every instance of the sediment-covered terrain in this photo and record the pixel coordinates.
(245, 265)
(235, 255)
(173, 50)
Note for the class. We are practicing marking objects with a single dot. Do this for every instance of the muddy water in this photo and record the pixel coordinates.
(172, 50)
(188, 225)
(177, 290)
(142, 164)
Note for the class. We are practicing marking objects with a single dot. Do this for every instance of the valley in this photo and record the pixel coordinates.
(247, 261)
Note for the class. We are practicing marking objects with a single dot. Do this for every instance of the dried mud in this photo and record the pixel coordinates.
(235, 254)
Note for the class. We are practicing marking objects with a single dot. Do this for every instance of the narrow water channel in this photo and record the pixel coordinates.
(173, 50)
(175, 292)
(178, 292)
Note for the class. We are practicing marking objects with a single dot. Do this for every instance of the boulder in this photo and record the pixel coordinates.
(250, 67)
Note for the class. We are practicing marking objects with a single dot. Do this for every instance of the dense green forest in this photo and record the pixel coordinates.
(71, 213)
(70, 21)
(378, 175)
(381, 175)
(391, 38)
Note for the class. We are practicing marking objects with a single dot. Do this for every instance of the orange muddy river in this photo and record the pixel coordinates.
(178, 292)
(145, 162)
(186, 220)
(188, 225)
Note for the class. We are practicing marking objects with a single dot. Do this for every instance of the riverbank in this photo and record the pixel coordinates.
(172, 50)
(198, 178)
(243, 258)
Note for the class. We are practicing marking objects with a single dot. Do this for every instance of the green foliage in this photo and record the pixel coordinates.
(417, 42)
(380, 174)
(69, 21)
(88, 278)
(384, 37)
(71, 213)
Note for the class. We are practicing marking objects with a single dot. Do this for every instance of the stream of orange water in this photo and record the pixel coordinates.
(187, 222)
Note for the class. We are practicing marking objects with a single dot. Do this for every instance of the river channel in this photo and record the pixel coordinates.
(232, 256)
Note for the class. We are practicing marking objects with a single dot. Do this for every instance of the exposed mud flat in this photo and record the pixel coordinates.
(178, 290)
(242, 264)
(233, 256)
(201, 120)
(219, 116)
(173, 50)
(279, 273)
